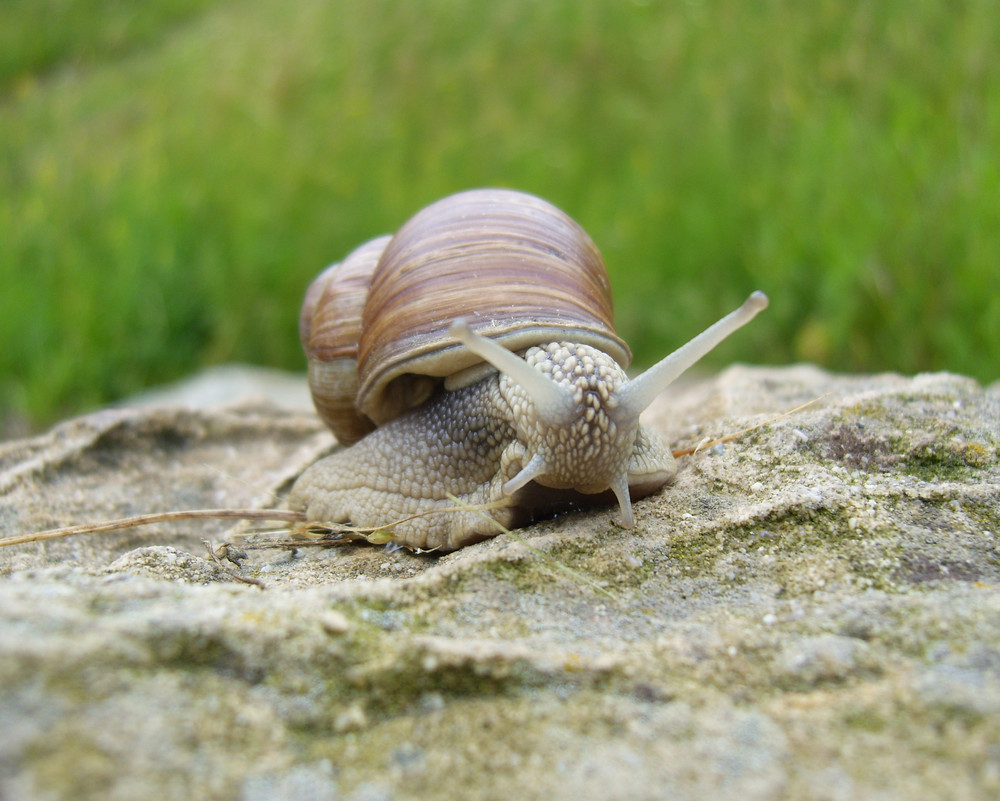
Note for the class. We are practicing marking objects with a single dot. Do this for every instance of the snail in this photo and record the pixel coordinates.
(472, 355)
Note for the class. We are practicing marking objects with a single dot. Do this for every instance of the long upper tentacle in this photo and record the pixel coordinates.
(641, 391)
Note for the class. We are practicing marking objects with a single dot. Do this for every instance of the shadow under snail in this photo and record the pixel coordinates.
(472, 354)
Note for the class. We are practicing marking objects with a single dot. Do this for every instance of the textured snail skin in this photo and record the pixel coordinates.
(470, 442)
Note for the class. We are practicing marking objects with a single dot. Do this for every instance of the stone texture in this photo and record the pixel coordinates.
(811, 611)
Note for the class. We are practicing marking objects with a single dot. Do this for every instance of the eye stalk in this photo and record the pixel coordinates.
(553, 404)
(641, 391)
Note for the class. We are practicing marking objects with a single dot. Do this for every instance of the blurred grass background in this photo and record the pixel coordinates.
(174, 172)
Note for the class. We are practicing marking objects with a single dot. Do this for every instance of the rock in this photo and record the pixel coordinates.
(825, 657)
(811, 611)
(221, 384)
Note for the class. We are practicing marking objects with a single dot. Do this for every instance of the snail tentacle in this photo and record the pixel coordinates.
(621, 490)
(641, 391)
(533, 469)
(553, 403)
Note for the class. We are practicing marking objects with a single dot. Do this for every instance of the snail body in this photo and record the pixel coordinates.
(418, 375)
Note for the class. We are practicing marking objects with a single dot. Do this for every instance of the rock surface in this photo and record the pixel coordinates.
(811, 611)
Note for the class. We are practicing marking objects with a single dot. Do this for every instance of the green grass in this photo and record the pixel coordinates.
(173, 173)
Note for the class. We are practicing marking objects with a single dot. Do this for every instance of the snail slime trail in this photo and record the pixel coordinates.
(437, 394)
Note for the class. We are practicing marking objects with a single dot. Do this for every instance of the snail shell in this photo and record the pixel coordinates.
(440, 407)
(518, 269)
(330, 327)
